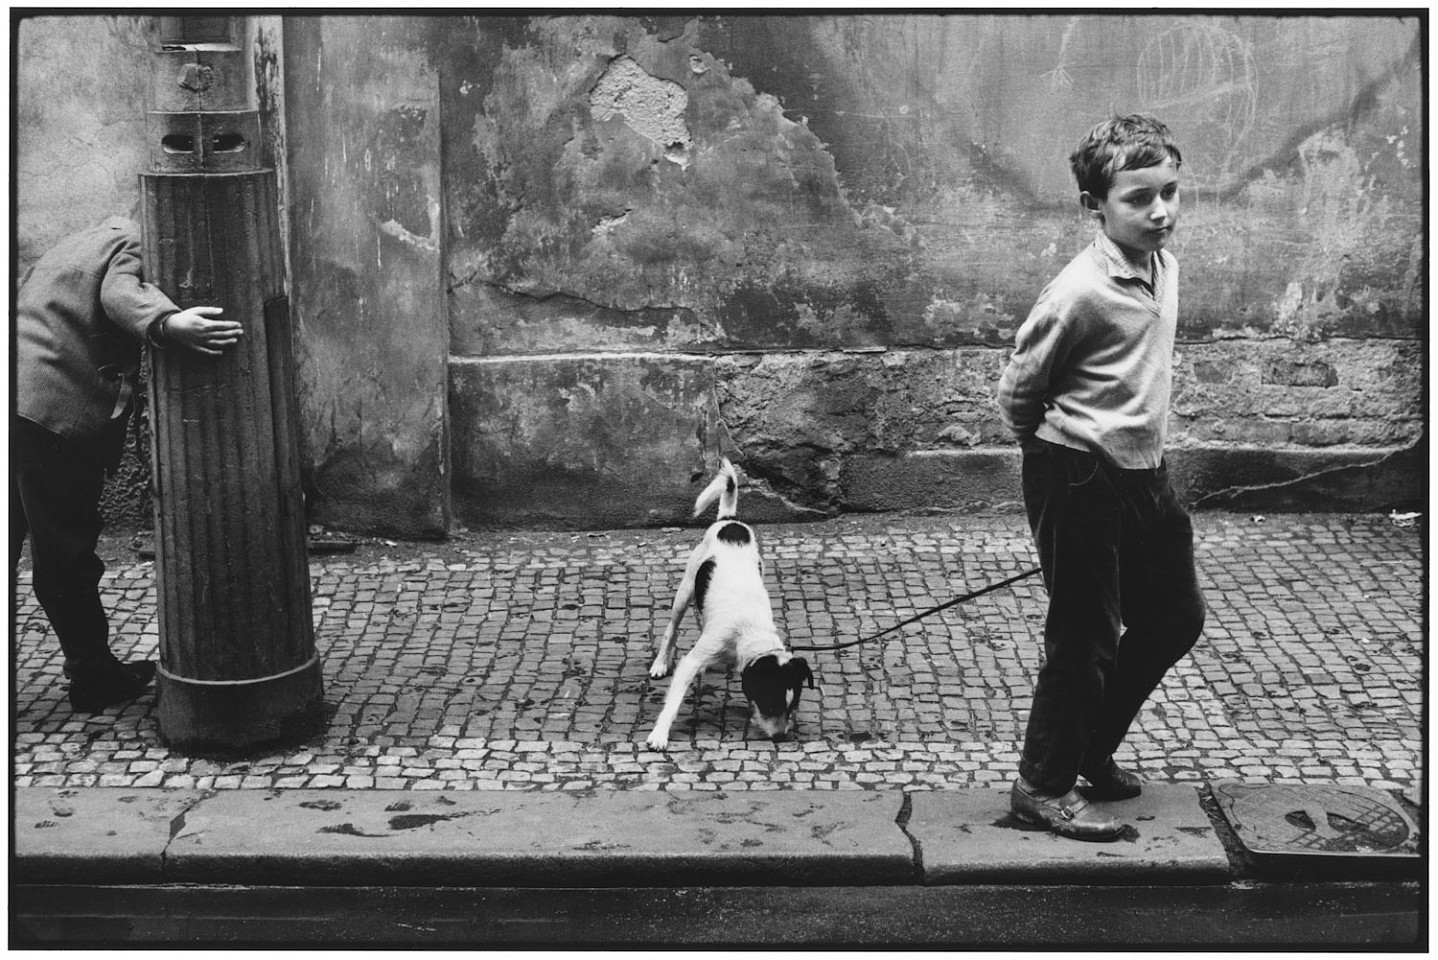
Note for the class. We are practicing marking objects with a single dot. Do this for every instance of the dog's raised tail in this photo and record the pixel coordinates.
(723, 488)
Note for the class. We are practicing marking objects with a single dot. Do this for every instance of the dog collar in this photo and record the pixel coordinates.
(775, 652)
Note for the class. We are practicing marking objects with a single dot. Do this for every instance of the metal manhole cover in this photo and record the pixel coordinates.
(1305, 819)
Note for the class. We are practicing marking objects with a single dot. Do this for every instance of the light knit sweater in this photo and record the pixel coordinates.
(1093, 364)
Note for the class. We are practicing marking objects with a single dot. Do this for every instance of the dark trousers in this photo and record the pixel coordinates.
(55, 487)
(1116, 549)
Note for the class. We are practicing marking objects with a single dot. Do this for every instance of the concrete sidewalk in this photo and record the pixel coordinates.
(490, 698)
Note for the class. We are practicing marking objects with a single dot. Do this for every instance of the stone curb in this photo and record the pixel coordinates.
(803, 838)
(589, 839)
(969, 836)
(407, 838)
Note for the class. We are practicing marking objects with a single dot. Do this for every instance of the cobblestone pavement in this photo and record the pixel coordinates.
(520, 662)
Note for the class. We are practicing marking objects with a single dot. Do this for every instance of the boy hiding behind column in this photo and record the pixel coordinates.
(1087, 394)
(80, 315)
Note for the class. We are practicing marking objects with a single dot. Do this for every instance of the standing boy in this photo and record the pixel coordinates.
(80, 315)
(1087, 394)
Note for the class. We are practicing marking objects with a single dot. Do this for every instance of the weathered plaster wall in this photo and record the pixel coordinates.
(1301, 136)
(79, 148)
(83, 87)
(362, 135)
(581, 256)
(850, 215)
(811, 181)
(578, 440)
(80, 141)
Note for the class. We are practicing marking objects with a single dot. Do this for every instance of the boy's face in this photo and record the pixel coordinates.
(1141, 209)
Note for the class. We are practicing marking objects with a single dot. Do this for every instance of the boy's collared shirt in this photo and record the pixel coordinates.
(1121, 268)
(1092, 368)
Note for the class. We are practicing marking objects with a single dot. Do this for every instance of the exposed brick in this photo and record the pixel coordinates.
(1300, 374)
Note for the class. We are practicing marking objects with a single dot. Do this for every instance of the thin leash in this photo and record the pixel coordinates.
(931, 611)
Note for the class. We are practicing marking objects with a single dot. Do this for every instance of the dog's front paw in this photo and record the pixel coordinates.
(659, 670)
(657, 741)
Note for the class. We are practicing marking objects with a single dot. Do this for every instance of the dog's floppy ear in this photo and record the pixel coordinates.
(796, 674)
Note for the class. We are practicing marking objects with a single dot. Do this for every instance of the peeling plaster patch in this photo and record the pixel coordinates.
(888, 218)
(943, 317)
(606, 226)
(1292, 301)
(954, 433)
(545, 335)
(808, 319)
(395, 229)
(652, 107)
(196, 77)
(1341, 205)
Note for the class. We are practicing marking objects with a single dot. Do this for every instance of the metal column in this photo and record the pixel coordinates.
(238, 667)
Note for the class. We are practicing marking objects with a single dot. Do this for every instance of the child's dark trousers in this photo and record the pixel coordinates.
(1116, 549)
(55, 488)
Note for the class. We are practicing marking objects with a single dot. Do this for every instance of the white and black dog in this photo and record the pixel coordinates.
(725, 582)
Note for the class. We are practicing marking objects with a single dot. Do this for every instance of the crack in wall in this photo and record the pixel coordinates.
(1279, 485)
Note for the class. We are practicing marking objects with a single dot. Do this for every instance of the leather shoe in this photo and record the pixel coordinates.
(93, 692)
(1112, 782)
(1069, 815)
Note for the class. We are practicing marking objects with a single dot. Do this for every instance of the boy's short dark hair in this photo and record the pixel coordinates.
(1130, 142)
